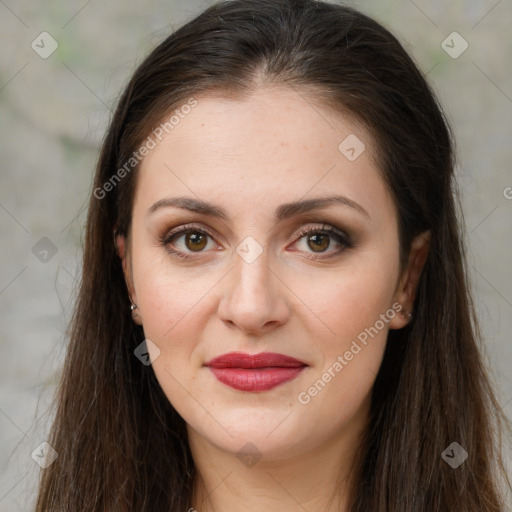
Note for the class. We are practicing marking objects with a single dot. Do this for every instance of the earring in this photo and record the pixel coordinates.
(406, 315)
(133, 308)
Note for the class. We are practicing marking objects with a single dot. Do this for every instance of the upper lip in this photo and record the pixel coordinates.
(261, 360)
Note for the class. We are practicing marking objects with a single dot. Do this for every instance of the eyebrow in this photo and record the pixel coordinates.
(283, 212)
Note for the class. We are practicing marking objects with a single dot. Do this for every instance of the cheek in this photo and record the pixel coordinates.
(353, 308)
(174, 310)
(352, 297)
(172, 304)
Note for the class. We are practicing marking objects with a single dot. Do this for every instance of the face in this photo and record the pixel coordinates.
(258, 273)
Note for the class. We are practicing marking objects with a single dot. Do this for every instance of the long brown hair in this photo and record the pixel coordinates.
(121, 445)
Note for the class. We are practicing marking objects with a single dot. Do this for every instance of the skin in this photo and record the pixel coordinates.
(248, 157)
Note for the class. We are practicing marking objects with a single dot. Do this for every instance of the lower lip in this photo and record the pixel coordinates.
(259, 379)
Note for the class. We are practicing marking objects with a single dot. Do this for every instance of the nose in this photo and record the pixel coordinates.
(254, 297)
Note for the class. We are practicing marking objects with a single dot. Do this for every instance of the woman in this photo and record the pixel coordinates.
(274, 310)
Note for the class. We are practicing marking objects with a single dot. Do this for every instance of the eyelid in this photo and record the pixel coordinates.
(325, 228)
(184, 228)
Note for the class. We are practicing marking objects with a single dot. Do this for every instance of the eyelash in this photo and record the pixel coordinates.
(343, 239)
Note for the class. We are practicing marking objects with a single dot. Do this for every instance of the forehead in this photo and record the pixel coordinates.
(275, 145)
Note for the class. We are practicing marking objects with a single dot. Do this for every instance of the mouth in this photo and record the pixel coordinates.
(258, 372)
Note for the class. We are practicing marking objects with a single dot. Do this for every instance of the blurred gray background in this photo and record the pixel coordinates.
(54, 109)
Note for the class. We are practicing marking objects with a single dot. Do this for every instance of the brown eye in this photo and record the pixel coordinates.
(318, 242)
(195, 241)
(186, 241)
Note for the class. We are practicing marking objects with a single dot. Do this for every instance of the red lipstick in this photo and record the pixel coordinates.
(258, 372)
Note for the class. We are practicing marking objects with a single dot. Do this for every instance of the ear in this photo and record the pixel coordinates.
(124, 254)
(408, 285)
